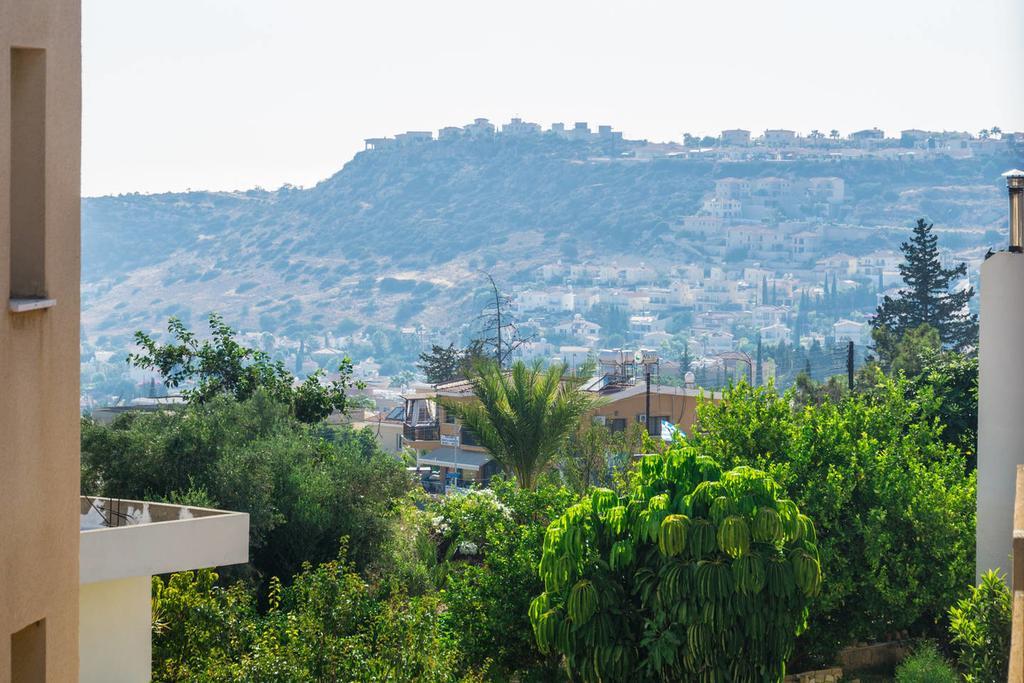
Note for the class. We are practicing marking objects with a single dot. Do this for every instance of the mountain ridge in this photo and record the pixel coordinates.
(302, 260)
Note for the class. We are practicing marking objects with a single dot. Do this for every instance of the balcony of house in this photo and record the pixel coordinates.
(421, 432)
(123, 544)
(421, 426)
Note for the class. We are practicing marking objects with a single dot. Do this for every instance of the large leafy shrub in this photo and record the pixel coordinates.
(979, 627)
(302, 492)
(495, 539)
(893, 502)
(926, 665)
(327, 626)
(696, 575)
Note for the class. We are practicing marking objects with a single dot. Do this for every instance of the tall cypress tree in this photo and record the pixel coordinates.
(925, 298)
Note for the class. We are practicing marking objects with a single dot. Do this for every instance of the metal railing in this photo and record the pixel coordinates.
(422, 432)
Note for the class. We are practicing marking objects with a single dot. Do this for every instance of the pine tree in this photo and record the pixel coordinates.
(925, 298)
(764, 290)
(441, 364)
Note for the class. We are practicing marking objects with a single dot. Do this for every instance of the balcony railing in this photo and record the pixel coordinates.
(422, 432)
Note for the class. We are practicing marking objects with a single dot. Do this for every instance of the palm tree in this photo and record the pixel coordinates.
(834, 134)
(524, 415)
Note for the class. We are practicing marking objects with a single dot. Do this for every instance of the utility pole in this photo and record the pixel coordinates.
(849, 364)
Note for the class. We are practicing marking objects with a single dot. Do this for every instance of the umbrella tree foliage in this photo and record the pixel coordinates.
(696, 574)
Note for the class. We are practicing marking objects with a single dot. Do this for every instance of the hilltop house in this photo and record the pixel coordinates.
(735, 137)
(779, 136)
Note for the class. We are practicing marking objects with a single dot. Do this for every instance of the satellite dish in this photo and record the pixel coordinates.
(638, 357)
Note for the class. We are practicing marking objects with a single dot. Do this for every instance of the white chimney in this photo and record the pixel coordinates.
(1001, 390)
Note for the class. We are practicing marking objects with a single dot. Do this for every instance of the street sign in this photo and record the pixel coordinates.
(447, 440)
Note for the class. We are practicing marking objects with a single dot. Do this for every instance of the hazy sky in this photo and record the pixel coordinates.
(229, 94)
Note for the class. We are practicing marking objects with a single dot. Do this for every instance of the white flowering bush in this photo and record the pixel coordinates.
(464, 519)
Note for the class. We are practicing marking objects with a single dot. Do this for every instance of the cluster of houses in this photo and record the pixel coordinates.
(737, 144)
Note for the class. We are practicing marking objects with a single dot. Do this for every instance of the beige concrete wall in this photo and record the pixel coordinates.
(213, 540)
(681, 410)
(115, 634)
(1000, 406)
(39, 351)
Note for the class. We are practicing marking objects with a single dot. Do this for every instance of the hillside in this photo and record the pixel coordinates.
(396, 235)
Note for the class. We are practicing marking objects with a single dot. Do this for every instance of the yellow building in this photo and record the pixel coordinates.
(40, 141)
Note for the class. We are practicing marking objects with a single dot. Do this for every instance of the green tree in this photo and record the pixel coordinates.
(593, 453)
(447, 363)
(488, 592)
(441, 363)
(220, 365)
(523, 416)
(876, 474)
(694, 574)
(327, 625)
(980, 629)
(302, 491)
(914, 349)
(926, 299)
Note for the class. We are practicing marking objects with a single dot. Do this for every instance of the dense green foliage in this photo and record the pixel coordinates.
(979, 627)
(446, 363)
(893, 502)
(695, 575)
(328, 625)
(440, 589)
(523, 416)
(926, 299)
(446, 600)
(595, 456)
(926, 665)
(221, 366)
(496, 540)
(302, 492)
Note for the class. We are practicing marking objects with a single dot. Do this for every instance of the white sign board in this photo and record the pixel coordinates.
(450, 440)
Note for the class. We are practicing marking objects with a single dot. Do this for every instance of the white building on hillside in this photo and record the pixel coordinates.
(848, 330)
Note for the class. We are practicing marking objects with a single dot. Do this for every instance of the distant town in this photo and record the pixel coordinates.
(770, 276)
